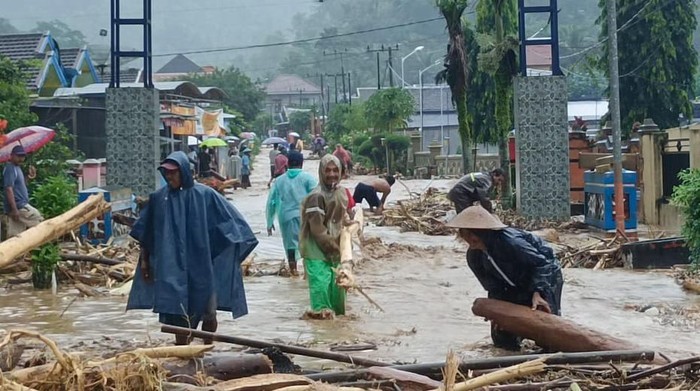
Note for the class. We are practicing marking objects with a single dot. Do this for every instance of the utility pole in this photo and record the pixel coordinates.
(613, 60)
(323, 90)
(383, 49)
(349, 90)
(391, 68)
(342, 67)
(335, 77)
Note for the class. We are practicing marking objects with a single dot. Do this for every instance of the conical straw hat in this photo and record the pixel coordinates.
(476, 217)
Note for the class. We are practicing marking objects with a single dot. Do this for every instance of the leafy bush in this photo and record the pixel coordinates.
(55, 196)
(687, 197)
(44, 261)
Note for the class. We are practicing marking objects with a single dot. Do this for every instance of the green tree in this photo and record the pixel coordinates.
(243, 95)
(6, 27)
(389, 109)
(497, 25)
(62, 33)
(14, 97)
(657, 59)
(262, 123)
(687, 197)
(456, 72)
(300, 121)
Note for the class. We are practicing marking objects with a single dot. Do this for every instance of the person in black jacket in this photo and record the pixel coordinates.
(512, 265)
(475, 187)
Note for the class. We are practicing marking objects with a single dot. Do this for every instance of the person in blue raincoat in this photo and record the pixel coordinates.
(245, 168)
(284, 201)
(511, 264)
(193, 242)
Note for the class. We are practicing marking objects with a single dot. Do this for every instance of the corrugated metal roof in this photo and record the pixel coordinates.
(291, 84)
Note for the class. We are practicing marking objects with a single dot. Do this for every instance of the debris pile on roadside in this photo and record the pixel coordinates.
(425, 214)
(267, 366)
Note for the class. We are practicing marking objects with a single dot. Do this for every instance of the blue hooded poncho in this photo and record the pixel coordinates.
(196, 241)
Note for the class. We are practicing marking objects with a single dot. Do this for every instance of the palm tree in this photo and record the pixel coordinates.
(456, 70)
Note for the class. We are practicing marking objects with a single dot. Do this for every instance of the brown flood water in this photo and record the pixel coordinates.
(427, 291)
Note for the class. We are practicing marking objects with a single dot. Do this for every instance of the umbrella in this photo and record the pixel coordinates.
(213, 142)
(231, 138)
(32, 138)
(191, 140)
(248, 135)
(274, 140)
(294, 134)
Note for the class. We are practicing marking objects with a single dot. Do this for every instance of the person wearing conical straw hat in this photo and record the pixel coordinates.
(512, 265)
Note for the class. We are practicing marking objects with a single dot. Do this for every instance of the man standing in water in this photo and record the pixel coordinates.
(193, 242)
(322, 215)
(284, 201)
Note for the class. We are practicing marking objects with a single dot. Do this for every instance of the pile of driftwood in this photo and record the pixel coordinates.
(511, 218)
(195, 368)
(425, 214)
(598, 254)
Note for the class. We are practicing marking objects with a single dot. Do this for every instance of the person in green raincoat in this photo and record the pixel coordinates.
(323, 214)
(284, 201)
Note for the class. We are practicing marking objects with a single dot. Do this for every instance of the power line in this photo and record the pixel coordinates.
(305, 40)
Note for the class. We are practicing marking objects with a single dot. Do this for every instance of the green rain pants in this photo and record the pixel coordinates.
(323, 291)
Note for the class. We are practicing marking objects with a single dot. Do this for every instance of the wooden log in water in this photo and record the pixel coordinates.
(52, 229)
(551, 332)
(220, 367)
(283, 348)
(434, 370)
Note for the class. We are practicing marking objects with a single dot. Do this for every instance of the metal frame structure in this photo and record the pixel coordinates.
(116, 54)
(552, 41)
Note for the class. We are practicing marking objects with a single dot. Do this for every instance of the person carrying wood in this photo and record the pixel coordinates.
(368, 190)
(193, 242)
(512, 265)
(475, 187)
(323, 213)
(284, 201)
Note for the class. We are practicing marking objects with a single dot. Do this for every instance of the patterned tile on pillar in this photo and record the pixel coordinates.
(132, 138)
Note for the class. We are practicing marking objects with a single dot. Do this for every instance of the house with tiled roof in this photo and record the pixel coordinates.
(178, 67)
(48, 67)
(291, 90)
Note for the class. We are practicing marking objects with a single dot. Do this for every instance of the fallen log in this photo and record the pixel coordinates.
(283, 348)
(434, 370)
(549, 331)
(52, 229)
(91, 259)
(220, 367)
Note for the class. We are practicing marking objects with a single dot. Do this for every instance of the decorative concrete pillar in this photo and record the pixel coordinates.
(133, 148)
(694, 147)
(542, 147)
(415, 147)
(435, 148)
(651, 138)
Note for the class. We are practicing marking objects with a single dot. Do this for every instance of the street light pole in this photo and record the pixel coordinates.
(420, 80)
(417, 49)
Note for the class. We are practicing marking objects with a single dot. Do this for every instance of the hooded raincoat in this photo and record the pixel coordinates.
(323, 212)
(284, 201)
(196, 241)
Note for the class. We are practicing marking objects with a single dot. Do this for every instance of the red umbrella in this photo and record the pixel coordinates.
(32, 138)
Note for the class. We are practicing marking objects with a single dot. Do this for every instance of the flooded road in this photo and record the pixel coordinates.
(423, 283)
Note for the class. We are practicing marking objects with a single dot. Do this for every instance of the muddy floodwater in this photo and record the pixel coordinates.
(422, 282)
